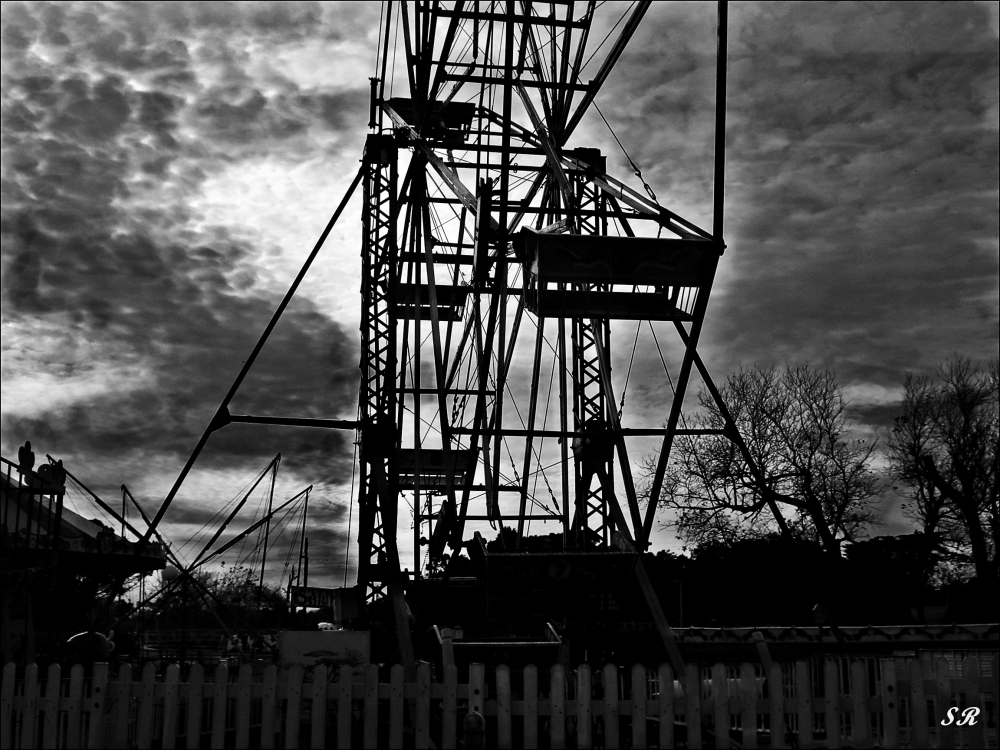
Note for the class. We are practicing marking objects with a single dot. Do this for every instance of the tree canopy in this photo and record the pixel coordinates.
(809, 475)
(945, 454)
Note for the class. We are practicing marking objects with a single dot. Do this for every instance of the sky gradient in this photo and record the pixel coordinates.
(168, 166)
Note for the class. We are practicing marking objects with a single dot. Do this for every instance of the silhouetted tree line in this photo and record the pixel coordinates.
(771, 539)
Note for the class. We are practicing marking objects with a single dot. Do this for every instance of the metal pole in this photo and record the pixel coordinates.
(720, 122)
(220, 418)
(267, 531)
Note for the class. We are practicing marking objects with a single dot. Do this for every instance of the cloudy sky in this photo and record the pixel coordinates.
(168, 166)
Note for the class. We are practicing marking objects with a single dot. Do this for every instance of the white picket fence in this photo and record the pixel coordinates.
(834, 703)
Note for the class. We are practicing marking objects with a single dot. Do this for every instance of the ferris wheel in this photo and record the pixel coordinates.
(497, 263)
(501, 265)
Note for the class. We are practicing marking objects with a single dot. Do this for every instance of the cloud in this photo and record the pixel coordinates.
(126, 315)
(861, 177)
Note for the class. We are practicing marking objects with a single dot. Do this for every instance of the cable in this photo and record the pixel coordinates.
(628, 374)
(350, 509)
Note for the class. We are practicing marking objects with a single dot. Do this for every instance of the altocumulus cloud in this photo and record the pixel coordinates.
(125, 314)
(862, 177)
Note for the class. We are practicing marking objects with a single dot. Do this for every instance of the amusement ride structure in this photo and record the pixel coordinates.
(497, 262)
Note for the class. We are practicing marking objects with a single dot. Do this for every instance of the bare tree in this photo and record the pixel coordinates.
(944, 450)
(809, 465)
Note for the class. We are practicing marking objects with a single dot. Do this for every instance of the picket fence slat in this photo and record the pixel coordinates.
(268, 706)
(876, 702)
(860, 723)
(50, 706)
(371, 705)
(423, 707)
(123, 697)
(317, 737)
(557, 707)
(720, 706)
(531, 707)
(973, 697)
(7, 706)
(220, 699)
(748, 705)
(692, 706)
(30, 702)
(449, 708)
(610, 685)
(293, 704)
(638, 705)
(776, 699)
(346, 679)
(504, 708)
(171, 698)
(890, 704)
(665, 711)
(396, 694)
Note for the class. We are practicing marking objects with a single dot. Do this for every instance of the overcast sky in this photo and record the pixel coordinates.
(168, 166)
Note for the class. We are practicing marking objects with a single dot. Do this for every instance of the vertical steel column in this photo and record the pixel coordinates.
(593, 455)
(377, 499)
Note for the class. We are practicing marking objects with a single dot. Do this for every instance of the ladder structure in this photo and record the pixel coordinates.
(499, 259)
(496, 262)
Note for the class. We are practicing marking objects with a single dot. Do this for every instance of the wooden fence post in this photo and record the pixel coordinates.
(449, 708)
(7, 705)
(890, 705)
(50, 707)
(317, 736)
(918, 706)
(584, 704)
(74, 728)
(123, 697)
(638, 705)
(28, 714)
(803, 705)
(504, 740)
(611, 707)
(144, 715)
(371, 706)
(748, 704)
(220, 696)
(942, 678)
(422, 736)
(196, 679)
(557, 707)
(692, 705)
(344, 712)
(170, 690)
(242, 717)
(396, 694)
(293, 706)
(474, 723)
(776, 713)
(831, 703)
(666, 706)
(720, 706)
(973, 697)
(531, 707)
(268, 706)
(98, 706)
(861, 718)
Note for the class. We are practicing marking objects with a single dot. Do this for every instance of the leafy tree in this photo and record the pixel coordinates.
(812, 475)
(944, 452)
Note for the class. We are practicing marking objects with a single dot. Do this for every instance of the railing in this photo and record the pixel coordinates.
(31, 509)
(901, 704)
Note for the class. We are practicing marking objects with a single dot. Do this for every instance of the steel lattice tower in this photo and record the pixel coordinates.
(499, 260)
